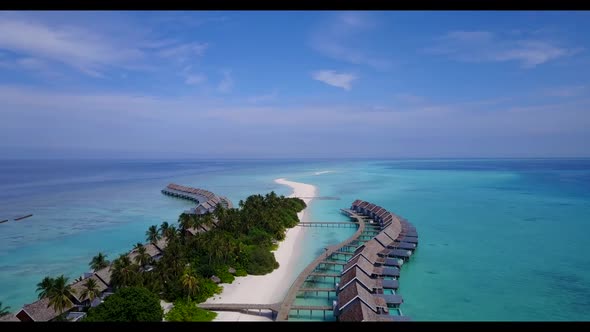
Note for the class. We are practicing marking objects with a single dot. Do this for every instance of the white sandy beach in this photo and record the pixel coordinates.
(272, 287)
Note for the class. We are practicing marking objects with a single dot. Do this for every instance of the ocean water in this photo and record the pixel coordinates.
(500, 239)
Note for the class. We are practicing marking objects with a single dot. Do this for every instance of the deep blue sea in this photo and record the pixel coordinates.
(500, 239)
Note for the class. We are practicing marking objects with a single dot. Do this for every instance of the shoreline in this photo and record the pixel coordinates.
(271, 287)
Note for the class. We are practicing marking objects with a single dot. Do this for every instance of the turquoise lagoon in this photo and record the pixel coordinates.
(500, 239)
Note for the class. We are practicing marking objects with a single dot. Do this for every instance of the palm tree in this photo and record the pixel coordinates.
(190, 282)
(91, 290)
(138, 245)
(45, 287)
(164, 228)
(99, 262)
(142, 258)
(219, 212)
(4, 310)
(198, 221)
(170, 232)
(153, 234)
(59, 297)
(124, 272)
(185, 221)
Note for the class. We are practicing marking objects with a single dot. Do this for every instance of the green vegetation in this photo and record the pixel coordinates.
(130, 304)
(238, 241)
(91, 290)
(187, 311)
(241, 239)
(99, 262)
(57, 291)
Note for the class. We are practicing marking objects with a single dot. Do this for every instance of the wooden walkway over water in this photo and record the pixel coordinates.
(288, 304)
(310, 275)
(273, 307)
(328, 224)
(326, 198)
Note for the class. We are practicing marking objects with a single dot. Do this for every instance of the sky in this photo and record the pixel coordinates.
(294, 84)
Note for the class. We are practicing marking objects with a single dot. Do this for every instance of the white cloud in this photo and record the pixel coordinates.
(226, 83)
(195, 79)
(94, 50)
(184, 52)
(330, 77)
(30, 64)
(74, 46)
(337, 37)
(485, 46)
(65, 119)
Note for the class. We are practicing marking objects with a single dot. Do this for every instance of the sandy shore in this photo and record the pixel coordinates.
(272, 287)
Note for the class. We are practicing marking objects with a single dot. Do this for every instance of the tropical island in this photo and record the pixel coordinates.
(180, 264)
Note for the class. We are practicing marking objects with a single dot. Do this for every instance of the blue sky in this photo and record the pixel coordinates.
(275, 84)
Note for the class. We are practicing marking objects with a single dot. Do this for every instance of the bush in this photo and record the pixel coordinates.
(240, 272)
(187, 311)
(260, 261)
(223, 274)
(205, 270)
(207, 288)
(130, 304)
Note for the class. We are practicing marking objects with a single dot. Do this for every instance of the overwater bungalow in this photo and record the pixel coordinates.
(373, 285)
(371, 251)
(362, 263)
(355, 303)
(383, 239)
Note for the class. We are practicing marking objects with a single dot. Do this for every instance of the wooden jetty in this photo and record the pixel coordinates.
(379, 236)
(326, 198)
(328, 224)
(23, 217)
(273, 307)
(298, 283)
(206, 200)
(361, 297)
(311, 309)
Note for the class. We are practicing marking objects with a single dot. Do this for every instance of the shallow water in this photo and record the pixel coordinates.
(499, 239)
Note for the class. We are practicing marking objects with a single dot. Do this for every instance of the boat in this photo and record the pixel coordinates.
(3, 221)
(23, 217)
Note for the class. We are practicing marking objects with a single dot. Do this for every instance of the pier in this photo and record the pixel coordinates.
(328, 224)
(288, 304)
(274, 307)
(206, 200)
(366, 273)
(326, 198)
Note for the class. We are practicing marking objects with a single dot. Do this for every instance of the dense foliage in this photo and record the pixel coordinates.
(58, 291)
(130, 304)
(187, 311)
(240, 240)
(201, 250)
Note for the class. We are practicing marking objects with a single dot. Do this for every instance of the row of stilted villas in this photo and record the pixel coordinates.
(41, 311)
(370, 278)
(206, 200)
(196, 191)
